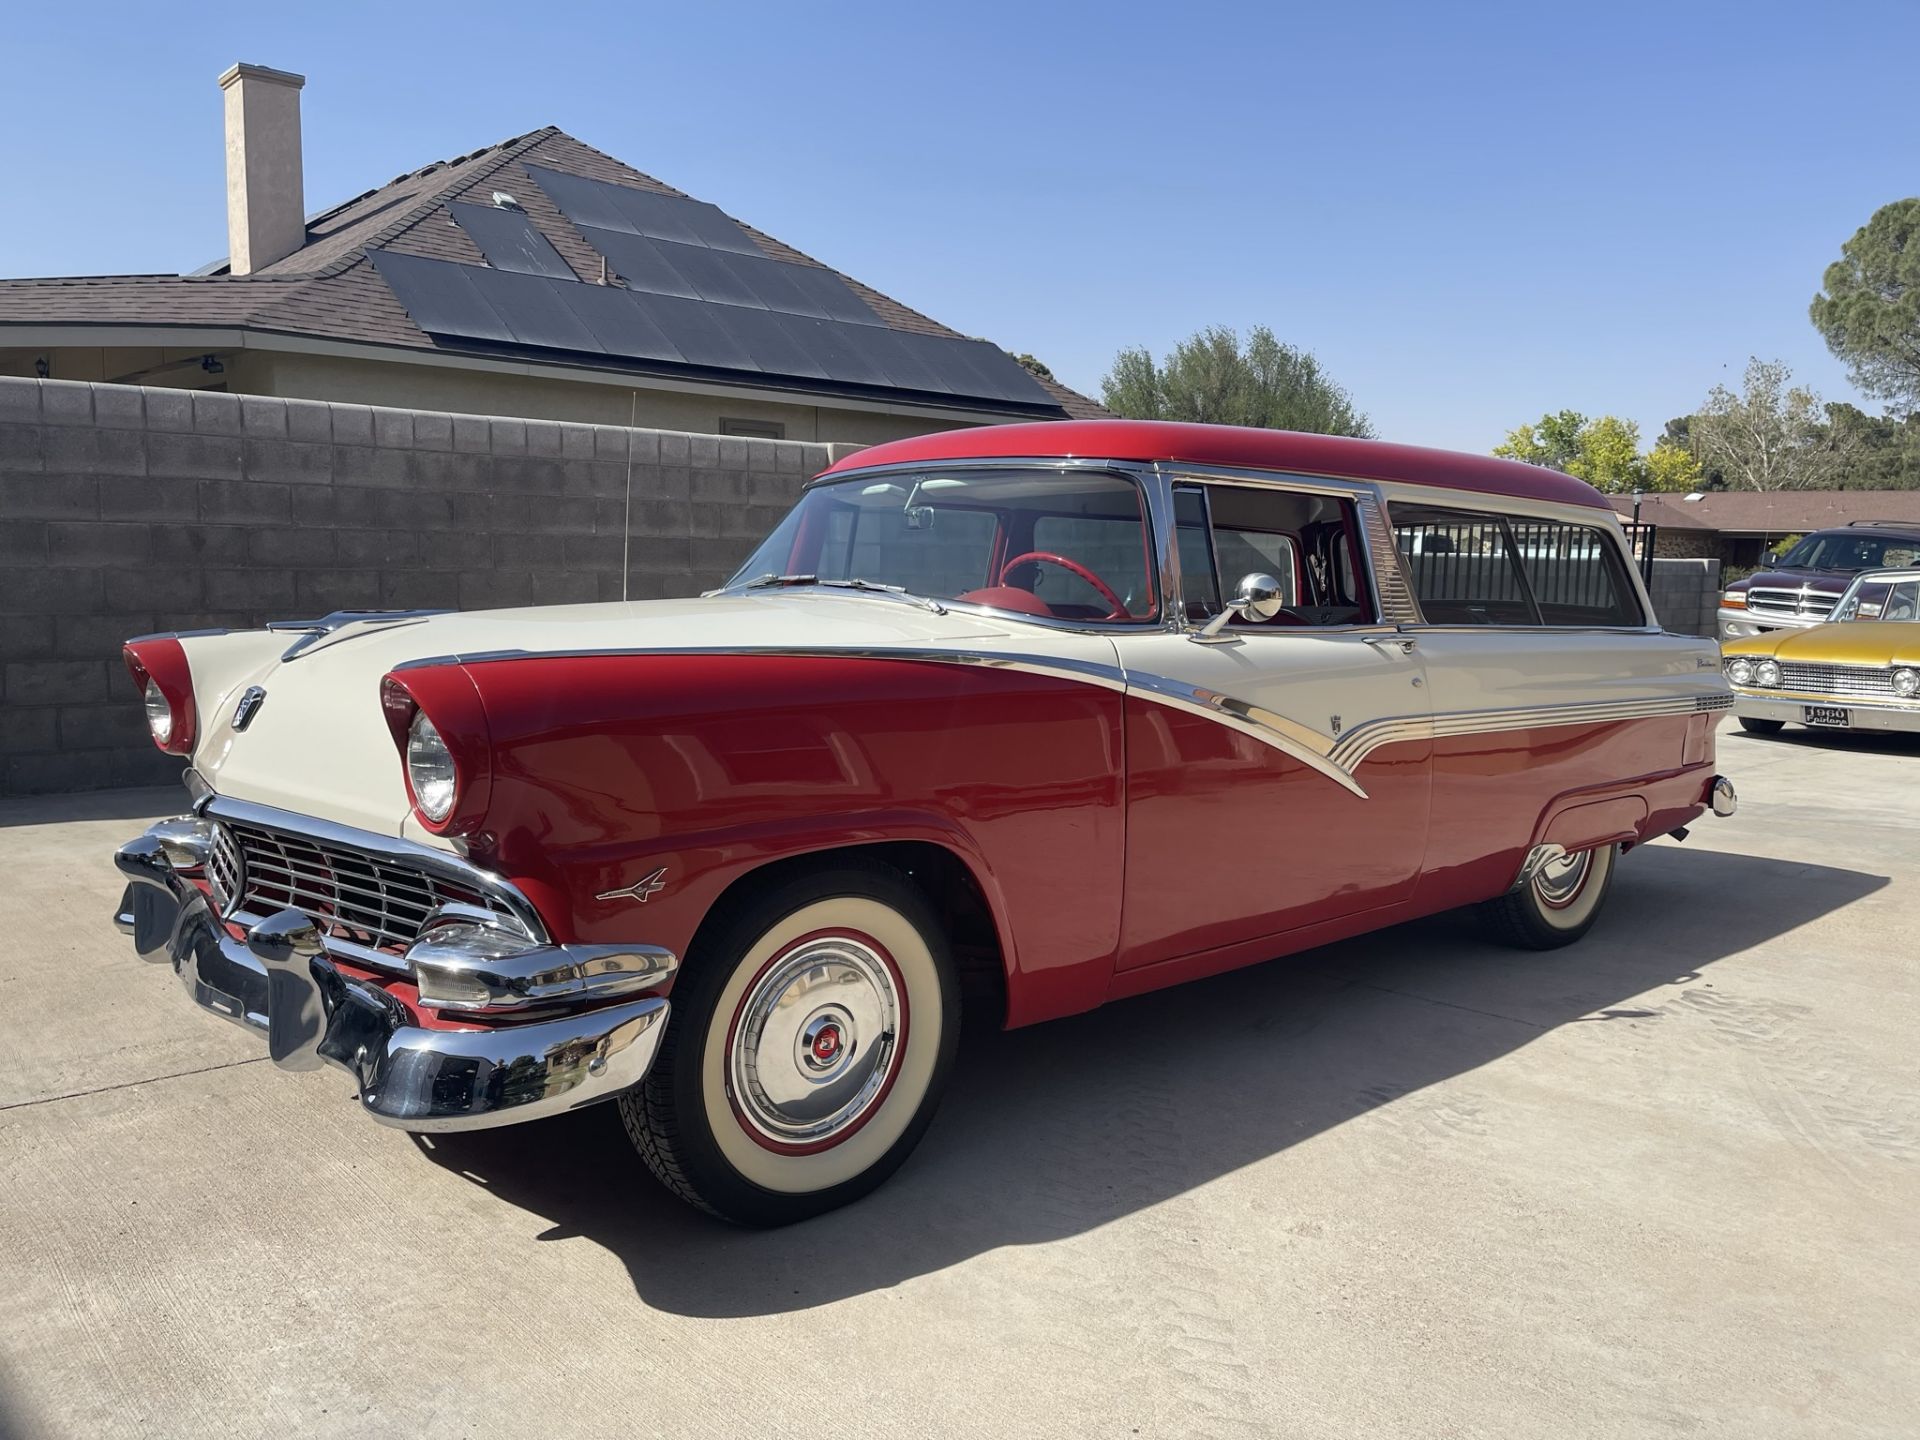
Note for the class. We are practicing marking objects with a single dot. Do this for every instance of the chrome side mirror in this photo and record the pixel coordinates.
(1258, 598)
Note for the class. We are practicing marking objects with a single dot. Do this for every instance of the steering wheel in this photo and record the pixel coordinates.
(1119, 610)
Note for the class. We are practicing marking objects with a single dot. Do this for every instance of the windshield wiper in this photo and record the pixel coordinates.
(901, 591)
(771, 580)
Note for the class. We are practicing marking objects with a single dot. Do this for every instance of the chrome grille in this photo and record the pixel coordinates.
(1792, 604)
(1861, 681)
(361, 900)
(225, 870)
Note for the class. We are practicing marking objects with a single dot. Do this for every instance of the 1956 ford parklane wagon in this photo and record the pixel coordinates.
(974, 712)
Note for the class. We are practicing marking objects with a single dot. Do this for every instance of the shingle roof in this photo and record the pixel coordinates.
(329, 288)
(1774, 512)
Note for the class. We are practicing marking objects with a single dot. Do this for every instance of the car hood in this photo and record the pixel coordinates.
(1844, 642)
(1824, 582)
(318, 743)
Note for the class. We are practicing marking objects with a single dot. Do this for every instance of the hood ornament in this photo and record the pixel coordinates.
(640, 889)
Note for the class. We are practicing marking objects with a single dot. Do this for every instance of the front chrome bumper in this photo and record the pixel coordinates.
(1743, 624)
(1865, 716)
(281, 983)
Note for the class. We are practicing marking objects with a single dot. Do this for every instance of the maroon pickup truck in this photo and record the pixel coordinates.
(1801, 587)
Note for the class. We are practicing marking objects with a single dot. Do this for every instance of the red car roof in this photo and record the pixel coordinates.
(1232, 445)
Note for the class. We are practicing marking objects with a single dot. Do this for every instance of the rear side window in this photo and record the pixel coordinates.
(1476, 569)
(1575, 572)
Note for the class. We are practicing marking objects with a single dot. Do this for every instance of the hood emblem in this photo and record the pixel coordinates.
(640, 889)
(248, 707)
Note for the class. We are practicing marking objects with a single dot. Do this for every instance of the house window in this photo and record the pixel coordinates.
(754, 429)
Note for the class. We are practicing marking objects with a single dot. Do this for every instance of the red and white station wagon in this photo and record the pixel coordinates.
(971, 712)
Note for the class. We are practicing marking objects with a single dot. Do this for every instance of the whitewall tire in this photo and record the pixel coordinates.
(1558, 903)
(810, 1037)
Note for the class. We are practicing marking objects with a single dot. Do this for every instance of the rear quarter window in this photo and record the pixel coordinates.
(1471, 568)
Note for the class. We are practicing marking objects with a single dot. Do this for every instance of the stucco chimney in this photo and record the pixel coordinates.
(266, 197)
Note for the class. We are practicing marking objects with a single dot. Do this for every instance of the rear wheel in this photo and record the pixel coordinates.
(1761, 727)
(1557, 905)
(809, 1041)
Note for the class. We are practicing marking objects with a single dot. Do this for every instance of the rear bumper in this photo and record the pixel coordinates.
(1864, 716)
(310, 1011)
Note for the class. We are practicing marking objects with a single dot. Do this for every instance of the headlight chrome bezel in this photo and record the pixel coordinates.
(1740, 670)
(1766, 674)
(1906, 682)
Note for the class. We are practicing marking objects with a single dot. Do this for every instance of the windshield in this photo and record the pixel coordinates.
(1054, 544)
(1881, 597)
(1839, 550)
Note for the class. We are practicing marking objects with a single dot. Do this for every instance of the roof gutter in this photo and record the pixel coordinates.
(282, 342)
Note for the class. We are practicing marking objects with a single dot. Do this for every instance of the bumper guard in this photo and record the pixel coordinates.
(281, 983)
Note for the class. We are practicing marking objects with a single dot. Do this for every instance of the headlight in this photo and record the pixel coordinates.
(159, 714)
(429, 769)
(1740, 670)
(1906, 683)
(1734, 600)
(1767, 673)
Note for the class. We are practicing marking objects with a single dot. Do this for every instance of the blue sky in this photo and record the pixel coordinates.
(1471, 214)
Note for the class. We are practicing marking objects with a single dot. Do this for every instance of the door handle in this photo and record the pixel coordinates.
(1403, 643)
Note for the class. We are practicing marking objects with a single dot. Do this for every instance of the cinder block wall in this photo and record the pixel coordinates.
(127, 509)
(1686, 595)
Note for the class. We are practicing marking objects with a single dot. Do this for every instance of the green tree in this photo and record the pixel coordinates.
(1210, 377)
(1672, 468)
(1552, 440)
(1773, 435)
(1604, 452)
(1868, 308)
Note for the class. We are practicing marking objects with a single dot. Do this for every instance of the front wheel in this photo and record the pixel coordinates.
(810, 1038)
(1760, 727)
(1557, 905)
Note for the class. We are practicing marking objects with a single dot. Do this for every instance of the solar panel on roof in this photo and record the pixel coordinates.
(618, 321)
(772, 341)
(710, 274)
(548, 313)
(839, 351)
(697, 333)
(638, 261)
(533, 312)
(441, 297)
(643, 212)
(510, 240)
(583, 201)
(832, 294)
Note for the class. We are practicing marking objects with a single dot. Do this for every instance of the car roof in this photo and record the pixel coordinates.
(1236, 447)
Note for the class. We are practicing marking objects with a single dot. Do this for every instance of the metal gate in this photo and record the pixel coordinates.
(1640, 538)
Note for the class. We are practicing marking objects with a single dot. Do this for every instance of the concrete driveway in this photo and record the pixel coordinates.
(1665, 1182)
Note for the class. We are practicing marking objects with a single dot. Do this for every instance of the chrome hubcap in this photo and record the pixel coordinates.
(815, 1041)
(1559, 881)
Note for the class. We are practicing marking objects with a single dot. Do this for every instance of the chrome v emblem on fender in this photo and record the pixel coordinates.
(640, 889)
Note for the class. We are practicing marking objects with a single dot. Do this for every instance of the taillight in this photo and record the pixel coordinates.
(438, 726)
(165, 681)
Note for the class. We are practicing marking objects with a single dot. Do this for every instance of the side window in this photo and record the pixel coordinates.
(1199, 584)
(1306, 542)
(1475, 569)
(1576, 573)
(1462, 569)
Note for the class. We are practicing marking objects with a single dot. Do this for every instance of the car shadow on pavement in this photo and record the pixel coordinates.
(1052, 1131)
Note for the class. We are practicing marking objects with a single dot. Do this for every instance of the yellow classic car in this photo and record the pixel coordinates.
(1858, 671)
